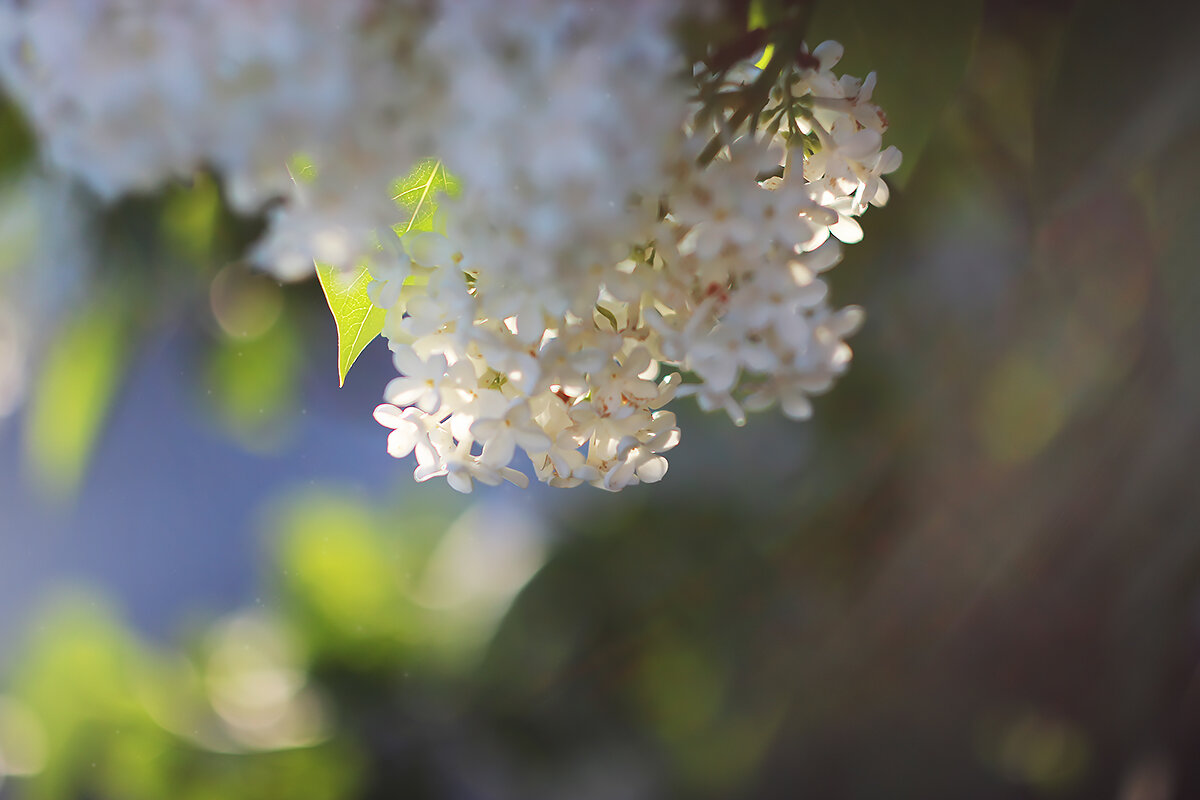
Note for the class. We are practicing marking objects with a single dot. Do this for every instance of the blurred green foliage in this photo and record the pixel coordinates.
(75, 389)
(253, 384)
(271, 704)
(120, 719)
(974, 574)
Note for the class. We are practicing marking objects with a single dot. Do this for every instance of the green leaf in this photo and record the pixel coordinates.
(920, 48)
(416, 195)
(757, 15)
(760, 16)
(302, 168)
(72, 396)
(358, 320)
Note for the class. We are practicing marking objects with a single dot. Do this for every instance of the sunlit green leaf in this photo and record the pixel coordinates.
(72, 395)
(302, 168)
(758, 16)
(416, 195)
(358, 320)
(920, 51)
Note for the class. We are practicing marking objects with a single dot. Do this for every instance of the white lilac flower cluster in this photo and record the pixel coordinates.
(505, 341)
(624, 234)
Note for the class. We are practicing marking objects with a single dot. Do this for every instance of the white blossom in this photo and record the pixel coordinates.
(575, 369)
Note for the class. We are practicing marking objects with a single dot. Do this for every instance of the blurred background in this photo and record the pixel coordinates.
(975, 573)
